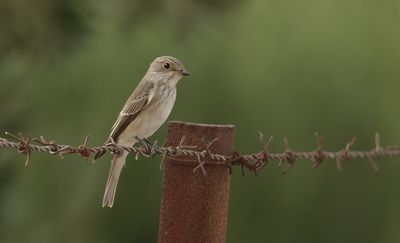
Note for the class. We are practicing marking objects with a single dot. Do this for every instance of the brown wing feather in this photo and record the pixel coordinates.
(138, 100)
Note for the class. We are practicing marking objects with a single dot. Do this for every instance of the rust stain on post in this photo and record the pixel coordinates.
(194, 207)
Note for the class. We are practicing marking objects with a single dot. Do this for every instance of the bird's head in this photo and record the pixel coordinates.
(168, 69)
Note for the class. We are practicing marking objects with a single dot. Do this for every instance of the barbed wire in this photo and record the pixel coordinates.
(253, 162)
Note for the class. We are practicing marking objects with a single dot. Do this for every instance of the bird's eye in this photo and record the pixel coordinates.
(166, 65)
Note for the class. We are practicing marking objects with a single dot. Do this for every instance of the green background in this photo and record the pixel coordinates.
(286, 68)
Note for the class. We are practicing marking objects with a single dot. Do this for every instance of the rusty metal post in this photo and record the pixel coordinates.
(194, 207)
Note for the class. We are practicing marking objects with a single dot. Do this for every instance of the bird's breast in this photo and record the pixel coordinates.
(151, 118)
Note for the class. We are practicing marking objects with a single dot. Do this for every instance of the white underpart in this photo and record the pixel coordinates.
(150, 119)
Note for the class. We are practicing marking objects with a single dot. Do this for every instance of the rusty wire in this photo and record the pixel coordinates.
(203, 156)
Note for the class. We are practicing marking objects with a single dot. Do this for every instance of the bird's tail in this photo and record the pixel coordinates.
(117, 163)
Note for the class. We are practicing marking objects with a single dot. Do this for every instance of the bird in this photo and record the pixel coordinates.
(147, 108)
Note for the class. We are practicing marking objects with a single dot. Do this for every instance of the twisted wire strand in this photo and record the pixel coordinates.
(253, 162)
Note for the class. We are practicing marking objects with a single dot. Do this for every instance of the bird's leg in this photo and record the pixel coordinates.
(144, 141)
(147, 144)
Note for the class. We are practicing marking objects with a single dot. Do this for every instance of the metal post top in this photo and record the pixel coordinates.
(200, 135)
(172, 123)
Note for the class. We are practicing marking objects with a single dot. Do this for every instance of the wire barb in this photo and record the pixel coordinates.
(263, 160)
(289, 156)
(206, 153)
(344, 154)
(319, 154)
(23, 146)
(375, 153)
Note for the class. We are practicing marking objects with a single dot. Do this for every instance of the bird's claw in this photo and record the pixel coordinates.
(149, 146)
(118, 149)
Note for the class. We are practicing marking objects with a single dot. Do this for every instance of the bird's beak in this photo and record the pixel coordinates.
(185, 72)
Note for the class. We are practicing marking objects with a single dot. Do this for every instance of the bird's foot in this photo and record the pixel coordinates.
(149, 146)
(118, 149)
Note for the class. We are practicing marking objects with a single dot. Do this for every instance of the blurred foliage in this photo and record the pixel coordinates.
(287, 68)
(36, 26)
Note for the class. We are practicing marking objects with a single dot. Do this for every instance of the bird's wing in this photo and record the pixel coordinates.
(138, 100)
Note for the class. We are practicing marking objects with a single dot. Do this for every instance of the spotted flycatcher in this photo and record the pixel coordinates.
(143, 113)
